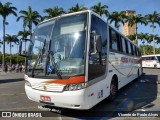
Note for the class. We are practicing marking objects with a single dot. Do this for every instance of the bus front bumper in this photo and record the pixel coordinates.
(66, 99)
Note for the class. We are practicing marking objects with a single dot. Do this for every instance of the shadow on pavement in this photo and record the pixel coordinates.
(11, 80)
(136, 96)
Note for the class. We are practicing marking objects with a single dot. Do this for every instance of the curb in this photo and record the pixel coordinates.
(11, 80)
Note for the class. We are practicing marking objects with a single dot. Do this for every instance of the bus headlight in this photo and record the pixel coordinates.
(72, 87)
(27, 83)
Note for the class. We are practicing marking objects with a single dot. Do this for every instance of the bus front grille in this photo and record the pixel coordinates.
(48, 87)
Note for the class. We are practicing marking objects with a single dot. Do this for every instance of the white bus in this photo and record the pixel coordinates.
(152, 61)
(77, 60)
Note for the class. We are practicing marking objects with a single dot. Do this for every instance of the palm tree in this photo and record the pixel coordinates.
(1, 43)
(6, 10)
(158, 40)
(24, 22)
(148, 49)
(77, 8)
(132, 37)
(134, 20)
(143, 37)
(117, 17)
(11, 39)
(151, 36)
(24, 35)
(53, 12)
(99, 9)
(29, 17)
(153, 18)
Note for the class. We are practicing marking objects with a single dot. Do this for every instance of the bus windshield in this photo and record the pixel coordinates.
(58, 47)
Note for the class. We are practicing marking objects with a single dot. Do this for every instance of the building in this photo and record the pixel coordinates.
(128, 30)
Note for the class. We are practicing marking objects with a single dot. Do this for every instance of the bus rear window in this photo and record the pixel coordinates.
(158, 57)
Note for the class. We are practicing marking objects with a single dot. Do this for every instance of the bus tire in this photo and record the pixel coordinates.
(155, 66)
(138, 75)
(113, 90)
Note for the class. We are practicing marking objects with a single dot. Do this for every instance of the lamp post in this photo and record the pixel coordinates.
(154, 49)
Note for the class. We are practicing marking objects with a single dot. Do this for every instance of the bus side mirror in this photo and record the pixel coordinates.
(23, 50)
(97, 43)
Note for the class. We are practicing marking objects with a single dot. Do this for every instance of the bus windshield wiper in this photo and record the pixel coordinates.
(51, 56)
(39, 56)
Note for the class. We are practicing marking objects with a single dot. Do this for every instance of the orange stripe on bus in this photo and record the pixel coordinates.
(71, 80)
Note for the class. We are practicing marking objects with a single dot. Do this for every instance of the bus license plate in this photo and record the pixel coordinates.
(45, 98)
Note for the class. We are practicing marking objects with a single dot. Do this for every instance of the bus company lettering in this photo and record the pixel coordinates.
(128, 60)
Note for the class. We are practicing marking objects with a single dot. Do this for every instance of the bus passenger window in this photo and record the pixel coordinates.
(129, 48)
(124, 48)
(113, 40)
(135, 51)
(132, 49)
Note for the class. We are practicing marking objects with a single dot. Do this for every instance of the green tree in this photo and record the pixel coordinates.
(53, 12)
(158, 40)
(29, 17)
(6, 10)
(99, 9)
(24, 35)
(143, 37)
(77, 8)
(134, 20)
(148, 49)
(132, 37)
(153, 18)
(1, 43)
(157, 50)
(11, 39)
(151, 36)
(117, 18)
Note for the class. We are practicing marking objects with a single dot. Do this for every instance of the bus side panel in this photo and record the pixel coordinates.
(125, 67)
(98, 91)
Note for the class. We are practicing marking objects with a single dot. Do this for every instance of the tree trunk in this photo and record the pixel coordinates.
(3, 60)
(10, 54)
(136, 41)
(25, 46)
(144, 50)
(154, 45)
(17, 53)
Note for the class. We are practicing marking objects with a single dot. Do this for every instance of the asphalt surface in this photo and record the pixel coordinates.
(139, 95)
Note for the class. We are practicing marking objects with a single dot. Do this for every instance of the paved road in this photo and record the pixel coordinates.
(11, 76)
(139, 95)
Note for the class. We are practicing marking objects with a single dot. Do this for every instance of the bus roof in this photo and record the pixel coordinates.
(68, 14)
(91, 12)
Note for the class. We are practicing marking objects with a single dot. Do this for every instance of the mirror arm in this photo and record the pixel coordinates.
(93, 53)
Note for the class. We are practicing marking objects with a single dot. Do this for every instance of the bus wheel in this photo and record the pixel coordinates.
(138, 75)
(113, 90)
(155, 66)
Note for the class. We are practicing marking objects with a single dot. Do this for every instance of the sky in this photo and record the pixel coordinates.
(143, 7)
